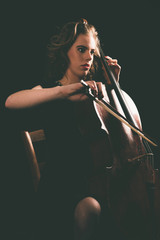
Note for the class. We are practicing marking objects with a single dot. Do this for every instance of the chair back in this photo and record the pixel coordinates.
(34, 143)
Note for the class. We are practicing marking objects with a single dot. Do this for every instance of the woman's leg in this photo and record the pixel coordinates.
(87, 214)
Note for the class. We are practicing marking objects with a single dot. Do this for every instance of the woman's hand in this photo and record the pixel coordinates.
(78, 92)
(96, 88)
(114, 66)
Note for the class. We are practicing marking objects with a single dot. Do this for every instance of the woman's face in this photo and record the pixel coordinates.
(81, 56)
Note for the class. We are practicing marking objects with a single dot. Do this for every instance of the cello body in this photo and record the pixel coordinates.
(123, 176)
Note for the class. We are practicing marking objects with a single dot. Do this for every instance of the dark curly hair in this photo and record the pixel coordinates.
(59, 45)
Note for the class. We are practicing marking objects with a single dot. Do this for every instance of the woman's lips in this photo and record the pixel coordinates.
(85, 66)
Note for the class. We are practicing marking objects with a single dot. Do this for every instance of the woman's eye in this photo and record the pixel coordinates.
(92, 52)
(81, 49)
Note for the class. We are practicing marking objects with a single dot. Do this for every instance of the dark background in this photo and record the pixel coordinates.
(129, 31)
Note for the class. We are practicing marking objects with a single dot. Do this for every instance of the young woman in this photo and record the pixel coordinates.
(67, 208)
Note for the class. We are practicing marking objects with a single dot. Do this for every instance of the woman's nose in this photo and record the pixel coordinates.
(88, 55)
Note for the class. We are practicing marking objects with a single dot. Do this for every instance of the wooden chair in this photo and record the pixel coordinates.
(35, 147)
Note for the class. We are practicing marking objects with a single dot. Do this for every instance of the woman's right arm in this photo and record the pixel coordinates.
(36, 96)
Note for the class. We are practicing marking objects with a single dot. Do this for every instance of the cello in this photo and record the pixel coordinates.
(127, 179)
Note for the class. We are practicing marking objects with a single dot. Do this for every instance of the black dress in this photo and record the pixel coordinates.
(65, 180)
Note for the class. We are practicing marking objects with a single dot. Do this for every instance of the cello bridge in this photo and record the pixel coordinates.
(140, 157)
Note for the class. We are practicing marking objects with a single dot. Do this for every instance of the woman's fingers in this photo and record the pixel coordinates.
(115, 67)
(96, 88)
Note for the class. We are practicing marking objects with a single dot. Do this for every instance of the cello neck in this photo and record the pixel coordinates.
(112, 81)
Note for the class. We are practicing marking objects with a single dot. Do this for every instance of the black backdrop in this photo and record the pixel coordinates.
(128, 31)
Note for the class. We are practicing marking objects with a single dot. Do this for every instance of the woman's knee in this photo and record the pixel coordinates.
(87, 212)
